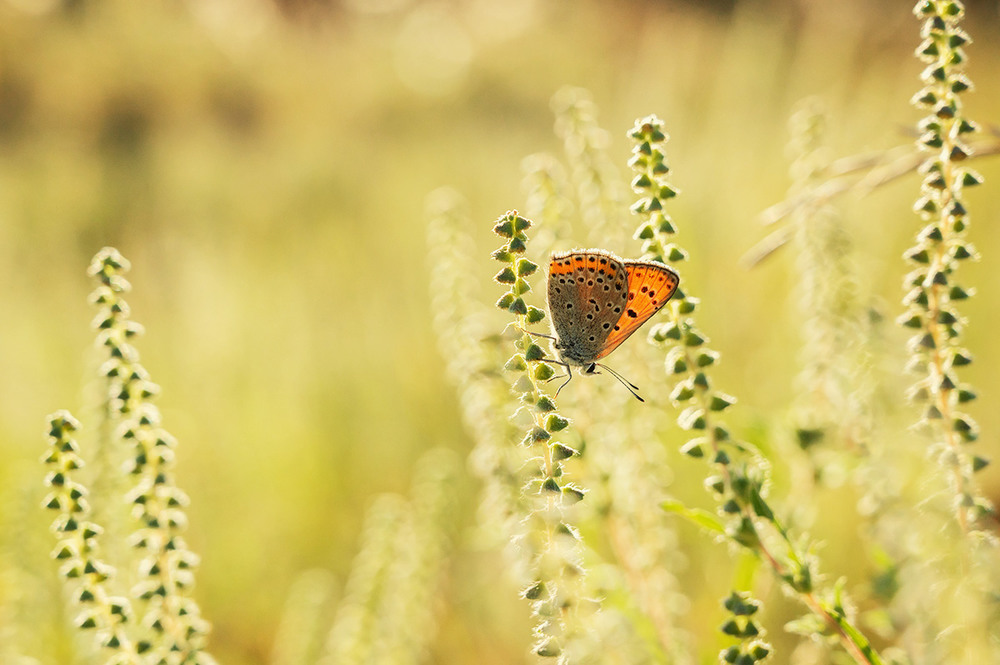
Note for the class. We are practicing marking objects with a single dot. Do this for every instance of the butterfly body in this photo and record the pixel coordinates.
(597, 300)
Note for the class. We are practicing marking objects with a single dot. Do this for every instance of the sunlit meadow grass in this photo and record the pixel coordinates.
(262, 166)
(834, 410)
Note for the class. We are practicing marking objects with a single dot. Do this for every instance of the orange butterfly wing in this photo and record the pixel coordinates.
(650, 286)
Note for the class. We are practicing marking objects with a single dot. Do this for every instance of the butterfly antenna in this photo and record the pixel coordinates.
(632, 388)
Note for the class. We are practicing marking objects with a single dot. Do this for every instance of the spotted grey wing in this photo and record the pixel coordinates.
(587, 293)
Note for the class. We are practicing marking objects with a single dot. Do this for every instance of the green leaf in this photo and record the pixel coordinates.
(760, 506)
(697, 516)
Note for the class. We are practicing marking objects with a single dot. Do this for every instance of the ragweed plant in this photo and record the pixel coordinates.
(547, 200)
(828, 408)
(550, 540)
(77, 550)
(627, 470)
(305, 619)
(597, 181)
(170, 629)
(471, 352)
(933, 290)
(740, 474)
(389, 610)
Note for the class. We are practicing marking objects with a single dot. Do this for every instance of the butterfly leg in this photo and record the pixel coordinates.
(569, 377)
(537, 334)
(559, 376)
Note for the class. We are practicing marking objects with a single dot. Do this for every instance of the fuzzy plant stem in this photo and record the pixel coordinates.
(933, 291)
(552, 543)
(594, 174)
(827, 409)
(165, 566)
(740, 479)
(77, 550)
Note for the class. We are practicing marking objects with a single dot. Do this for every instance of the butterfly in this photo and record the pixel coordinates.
(597, 300)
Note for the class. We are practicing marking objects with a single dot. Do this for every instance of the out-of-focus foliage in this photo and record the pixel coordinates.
(264, 167)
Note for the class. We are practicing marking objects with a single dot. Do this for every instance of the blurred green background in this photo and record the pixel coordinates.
(264, 166)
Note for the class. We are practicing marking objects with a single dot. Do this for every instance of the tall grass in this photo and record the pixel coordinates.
(925, 600)
(731, 517)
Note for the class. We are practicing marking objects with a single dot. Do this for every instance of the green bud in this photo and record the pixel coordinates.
(666, 226)
(544, 372)
(682, 392)
(966, 427)
(924, 98)
(933, 140)
(533, 353)
(926, 205)
(503, 255)
(932, 233)
(958, 153)
(692, 418)
(731, 628)
(960, 357)
(556, 423)
(687, 305)
(715, 484)
(694, 448)
(962, 251)
(945, 110)
(665, 331)
(574, 494)
(523, 385)
(706, 357)
(505, 276)
(645, 232)
(966, 126)
(516, 363)
(966, 394)
(641, 182)
(561, 451)
(550, 485)
(504, 228)
(675, 253)
(525, 267)
(958, 293)
(539, 434)
(87, 620)
(970, 178)
(692, 338)
(808, 437)
(721, 401)
(928, 49)
(518, 306)
(548, 648)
